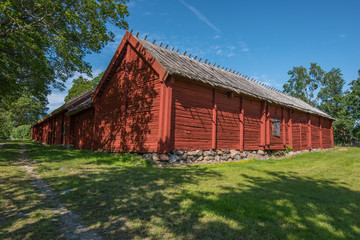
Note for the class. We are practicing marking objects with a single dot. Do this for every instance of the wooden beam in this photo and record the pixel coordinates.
(283, 128)
(267, 134)
(309, 132)
(263, 122)
(321, 138)
(214, 122)
(241, 117)
(331, 134)
(164, 135)
(290, 129)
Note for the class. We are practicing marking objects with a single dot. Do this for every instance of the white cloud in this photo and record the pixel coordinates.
(200, 16)
(56, 99)
(266, 79)
(243, 46)
(343, 36)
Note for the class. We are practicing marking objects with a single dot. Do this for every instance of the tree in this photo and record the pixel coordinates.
(82, 84)
(42, 42)
(331, 92)
(26, 110)
(354, 98)
(324, 90)
(303, 84)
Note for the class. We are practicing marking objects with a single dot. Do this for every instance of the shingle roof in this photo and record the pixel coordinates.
(86, 96)
(181, 65)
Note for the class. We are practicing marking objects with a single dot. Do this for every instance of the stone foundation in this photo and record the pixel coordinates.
(213, 156)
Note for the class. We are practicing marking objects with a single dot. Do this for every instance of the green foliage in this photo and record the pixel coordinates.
(21, 132)
(5, 125)
(44, 42)
(288, 149)
(25, 110)
(303, 84)
(324, 90)
(331, 93)
(353, 98)
(82, 84)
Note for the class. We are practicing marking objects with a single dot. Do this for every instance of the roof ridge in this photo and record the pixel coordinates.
(214, 65)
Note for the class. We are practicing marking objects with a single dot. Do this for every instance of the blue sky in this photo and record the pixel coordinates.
(261, 39)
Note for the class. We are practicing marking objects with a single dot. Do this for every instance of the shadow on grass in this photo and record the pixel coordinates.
(24, 213)
(179, 203)
(155, 202)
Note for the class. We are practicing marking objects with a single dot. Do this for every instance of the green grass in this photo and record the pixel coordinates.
(24, 212)
(308, 196)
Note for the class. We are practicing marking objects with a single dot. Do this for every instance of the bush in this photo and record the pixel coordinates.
(21, 132)
(288, 149)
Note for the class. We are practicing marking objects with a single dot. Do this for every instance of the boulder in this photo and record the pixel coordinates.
(173, 158)
(163, 157)
(208, 153)
(155, 157)
(178, 152)
(261, 152)
(193, 153)
(233, 153)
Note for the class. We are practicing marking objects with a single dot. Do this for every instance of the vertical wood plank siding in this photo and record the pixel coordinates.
(83, 134)
(128, 110)
(192, 112)
(228, 121)
(252, 124)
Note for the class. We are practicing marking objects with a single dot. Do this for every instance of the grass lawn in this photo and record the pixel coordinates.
(23, 211)
(308, 196)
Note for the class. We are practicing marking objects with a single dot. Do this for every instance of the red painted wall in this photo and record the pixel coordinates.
(127, 111)
(83, 129)
(228, 121)
(275, 112)
(326, 133)
(252, 124)
(315, 132)
(191, 115)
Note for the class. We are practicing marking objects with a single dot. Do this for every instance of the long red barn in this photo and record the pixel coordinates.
(153, 99)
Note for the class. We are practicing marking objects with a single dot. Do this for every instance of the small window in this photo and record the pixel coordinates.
(276, 128)
(64, 129)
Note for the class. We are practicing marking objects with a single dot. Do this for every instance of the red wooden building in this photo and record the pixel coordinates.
(153, 99)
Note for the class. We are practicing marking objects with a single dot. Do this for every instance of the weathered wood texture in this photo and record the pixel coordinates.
(83, 134)
(127, 111)
(192, 115)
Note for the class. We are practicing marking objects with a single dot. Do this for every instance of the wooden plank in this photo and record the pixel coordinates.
(214, 122)
(309, 132)
(263, 124)
(241, 116)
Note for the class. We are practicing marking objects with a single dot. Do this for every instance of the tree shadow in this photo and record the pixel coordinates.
(156, 203)
(127, 109)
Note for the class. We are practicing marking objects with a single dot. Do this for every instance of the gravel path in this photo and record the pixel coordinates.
(71, 227)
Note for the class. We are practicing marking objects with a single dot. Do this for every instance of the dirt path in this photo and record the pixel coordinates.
(70, 224)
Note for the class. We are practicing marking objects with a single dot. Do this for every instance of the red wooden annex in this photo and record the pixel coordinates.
(153, 99)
